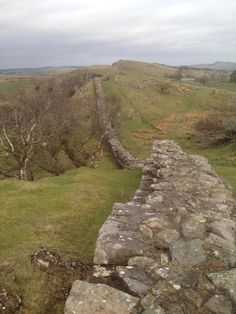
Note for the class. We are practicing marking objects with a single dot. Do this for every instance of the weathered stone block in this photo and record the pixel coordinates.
(188, 252)
(87, 298)
(219, 304)
(225, 280)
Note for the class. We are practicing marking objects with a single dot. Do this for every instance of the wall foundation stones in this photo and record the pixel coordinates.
(173, 244)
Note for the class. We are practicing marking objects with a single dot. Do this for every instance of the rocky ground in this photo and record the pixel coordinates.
(173, 244)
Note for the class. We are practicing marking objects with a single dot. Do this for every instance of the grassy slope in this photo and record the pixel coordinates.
(148, 114)
(64, 213)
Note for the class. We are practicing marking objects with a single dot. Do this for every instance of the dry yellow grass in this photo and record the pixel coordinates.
(193, 117)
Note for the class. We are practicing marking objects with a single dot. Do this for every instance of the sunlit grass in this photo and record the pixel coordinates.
(62, 213)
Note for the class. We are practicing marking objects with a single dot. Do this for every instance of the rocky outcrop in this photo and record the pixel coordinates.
(121, 155)
(173, 244)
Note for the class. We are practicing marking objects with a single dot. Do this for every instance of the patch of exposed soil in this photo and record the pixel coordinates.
(193, 117)
(163, 125)
(10, 302)
(60, 275)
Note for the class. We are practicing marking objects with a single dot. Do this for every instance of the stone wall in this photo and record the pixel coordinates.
(121, 155)
(173, 244)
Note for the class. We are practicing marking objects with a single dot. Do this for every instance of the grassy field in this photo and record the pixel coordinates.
(65, 213)
(9, 85)
(227, 86)
(61, 213)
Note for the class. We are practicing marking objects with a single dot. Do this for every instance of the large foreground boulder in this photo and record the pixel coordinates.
(88, 298)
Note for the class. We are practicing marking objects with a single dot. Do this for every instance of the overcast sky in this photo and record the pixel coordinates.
(81, 32)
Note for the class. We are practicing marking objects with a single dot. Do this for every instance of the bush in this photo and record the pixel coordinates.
(203, 80)
(164, 87)
(216, 129)
(233, 77)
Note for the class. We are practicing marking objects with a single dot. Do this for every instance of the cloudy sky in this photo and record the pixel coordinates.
(82, 32)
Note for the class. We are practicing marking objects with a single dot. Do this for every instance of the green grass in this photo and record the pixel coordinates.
(148, 106)
(227, 86)
(62, 213)
(228, 173)
(9, 85)
(65, 213)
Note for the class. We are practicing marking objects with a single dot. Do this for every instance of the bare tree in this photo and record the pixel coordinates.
(21, 133)
(45, 124)
(72, 129)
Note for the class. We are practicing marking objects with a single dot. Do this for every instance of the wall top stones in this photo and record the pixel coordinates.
(173, 244)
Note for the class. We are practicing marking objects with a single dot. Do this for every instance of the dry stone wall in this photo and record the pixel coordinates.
(173, 244)
(122, 156)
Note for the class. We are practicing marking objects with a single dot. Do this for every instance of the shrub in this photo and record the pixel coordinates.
(233, 77)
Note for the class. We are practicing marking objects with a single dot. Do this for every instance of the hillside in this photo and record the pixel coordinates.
(41, 70)
(62, 214)
(217, 66)
(145, 68)
(147, 113)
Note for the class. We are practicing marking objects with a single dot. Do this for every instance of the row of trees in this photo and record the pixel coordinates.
(48, 129)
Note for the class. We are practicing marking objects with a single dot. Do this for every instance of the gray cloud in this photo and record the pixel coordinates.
(81, 32)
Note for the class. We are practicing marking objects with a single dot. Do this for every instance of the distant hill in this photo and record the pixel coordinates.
(145, 68)
(42, 70)
(156, 69)
(217, 66)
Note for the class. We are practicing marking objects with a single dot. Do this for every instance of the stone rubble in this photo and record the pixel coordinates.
(173, 244)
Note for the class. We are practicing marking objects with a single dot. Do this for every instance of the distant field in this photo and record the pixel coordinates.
(230, 87)
(9, 86)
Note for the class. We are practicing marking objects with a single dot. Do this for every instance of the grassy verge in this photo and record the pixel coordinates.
(62, 213)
